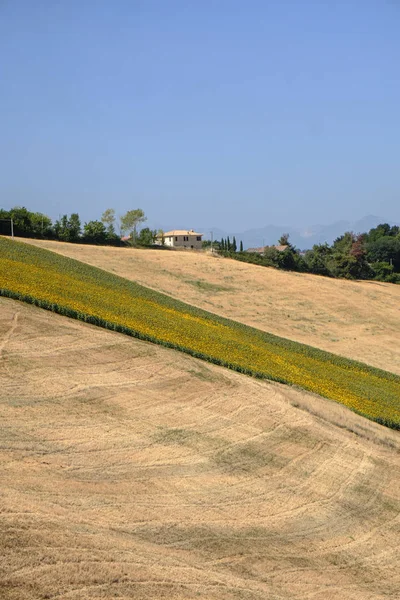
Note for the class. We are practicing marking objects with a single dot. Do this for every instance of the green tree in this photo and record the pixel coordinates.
(26, 223)
(349, 257)
(385, 249)
(234, 245)
(95, 232)
(74, 225)
(241, 246)
(287, 259)
(41, 225)
(346, 266)
(108, 219)
(147, 237)
(383, 271)
(317, 259)
(207, 244)
(130, 222)
(68, 229)
(61, 228)
(343, 243)
(21, 220)
(5, 225)
(284, 239)
(382, 230)
(271, 254)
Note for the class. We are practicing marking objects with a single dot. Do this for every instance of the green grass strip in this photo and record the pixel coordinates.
(83, 292)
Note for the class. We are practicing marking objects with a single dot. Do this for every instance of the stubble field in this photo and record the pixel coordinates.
(360, 320)
(134, 471)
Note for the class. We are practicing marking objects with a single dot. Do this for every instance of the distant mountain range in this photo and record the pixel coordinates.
(302, 238)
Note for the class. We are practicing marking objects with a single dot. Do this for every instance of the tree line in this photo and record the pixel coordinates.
(224, 246)
(69, 228)
(371, 255)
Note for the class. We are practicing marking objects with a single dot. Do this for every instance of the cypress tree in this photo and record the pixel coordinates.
(241, 246)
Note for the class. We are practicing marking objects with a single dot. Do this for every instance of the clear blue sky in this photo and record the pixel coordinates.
(235, 114)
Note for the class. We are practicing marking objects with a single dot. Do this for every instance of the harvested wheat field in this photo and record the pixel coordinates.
(134, 471)
(357, 319)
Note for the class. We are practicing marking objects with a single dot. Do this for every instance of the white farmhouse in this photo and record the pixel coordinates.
(180, 238)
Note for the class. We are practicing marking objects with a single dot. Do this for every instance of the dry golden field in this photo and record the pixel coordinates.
(133, 471)
(360, 320)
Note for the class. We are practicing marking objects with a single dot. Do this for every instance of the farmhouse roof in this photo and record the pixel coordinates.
(181, 232)
(261, 249)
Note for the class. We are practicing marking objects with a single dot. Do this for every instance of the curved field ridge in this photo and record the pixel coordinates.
(132, 471)
(87, 293)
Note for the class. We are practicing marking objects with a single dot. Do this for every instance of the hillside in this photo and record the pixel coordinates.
(78, 290)
(360, 320)
(134, 471)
